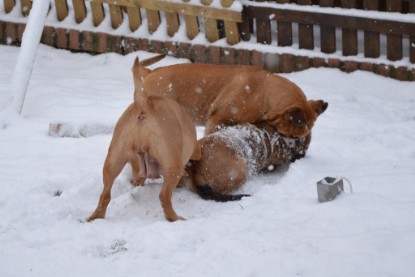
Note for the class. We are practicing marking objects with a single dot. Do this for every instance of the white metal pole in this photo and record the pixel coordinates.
(24, 65)
(28, 50)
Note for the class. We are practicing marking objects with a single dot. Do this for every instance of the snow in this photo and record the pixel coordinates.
(50, 184)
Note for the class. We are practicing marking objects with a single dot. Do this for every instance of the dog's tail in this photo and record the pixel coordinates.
(207, 193)
(145, 71)
(152, 60)
(138, 81)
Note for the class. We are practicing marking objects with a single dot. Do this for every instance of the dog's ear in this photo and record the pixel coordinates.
(296, 117)
(318, 106)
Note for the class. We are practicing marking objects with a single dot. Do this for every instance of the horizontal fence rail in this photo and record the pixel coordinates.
(351, 34)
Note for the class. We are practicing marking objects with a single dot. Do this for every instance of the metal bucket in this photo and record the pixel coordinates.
(328, 188)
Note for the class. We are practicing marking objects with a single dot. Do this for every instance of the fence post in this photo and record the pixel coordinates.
(412, 38)
(231, 28)
(349, 36)
(192, 25)
(80, 10)
(61, 9)
(134, 17)
(153, 19)
(305, 31)
(26, 6)
(263, 29)
(211, 25)
(173, 23)
(328, 34)
(245, 26)
(372, 41)
(9, 5)
(116, 15)
(394, 42)
(284, 30)
(97, 13)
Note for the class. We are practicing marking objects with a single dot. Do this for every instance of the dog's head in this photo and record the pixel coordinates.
(298, 119)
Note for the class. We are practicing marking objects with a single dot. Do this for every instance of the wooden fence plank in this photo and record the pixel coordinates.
(26, 6)
(226, 3)
(284, 33)
(211, 24)
(263, 29)
(231, 27)
(394, 42)
(192, 26)
(327, 34)
(245, 27)
(349, 36)
(153, 19)
(371, 39)
(80, 10)
(284, 30)
(211, 29)
(9, 5)
(173, 23)
(231, 32)
(116, 15)
(412, 37)
(61, 9)
(134, 18)
(97, 12)
(305, 31)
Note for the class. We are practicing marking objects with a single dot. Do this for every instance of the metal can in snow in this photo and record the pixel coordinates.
(328, 188)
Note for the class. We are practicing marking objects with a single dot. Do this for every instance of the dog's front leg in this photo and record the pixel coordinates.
(170, 182)
(114, 163)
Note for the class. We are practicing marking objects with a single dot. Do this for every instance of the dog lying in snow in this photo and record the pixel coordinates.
(232, 154)
(157, 138)
(215, 95)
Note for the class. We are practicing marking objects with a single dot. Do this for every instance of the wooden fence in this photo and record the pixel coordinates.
(118, 10)
(329, 20)
(373, 35)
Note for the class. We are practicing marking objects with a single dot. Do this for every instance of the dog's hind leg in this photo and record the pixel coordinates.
(170, 182)
(114, 163)
(136, 180)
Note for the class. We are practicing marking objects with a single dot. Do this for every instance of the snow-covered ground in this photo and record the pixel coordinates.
(50, 184)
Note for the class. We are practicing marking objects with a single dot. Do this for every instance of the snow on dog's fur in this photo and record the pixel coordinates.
(232, 154)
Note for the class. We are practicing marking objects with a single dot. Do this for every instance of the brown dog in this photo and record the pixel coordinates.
(215, 95)
(232, 154)
(157, 138)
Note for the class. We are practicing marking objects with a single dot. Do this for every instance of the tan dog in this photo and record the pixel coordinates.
(232, 154)
(216, 95)
(157, 138)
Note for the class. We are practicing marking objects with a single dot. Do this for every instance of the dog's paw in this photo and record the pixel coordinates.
(175, 218)
(96, 215)
(137, 182)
